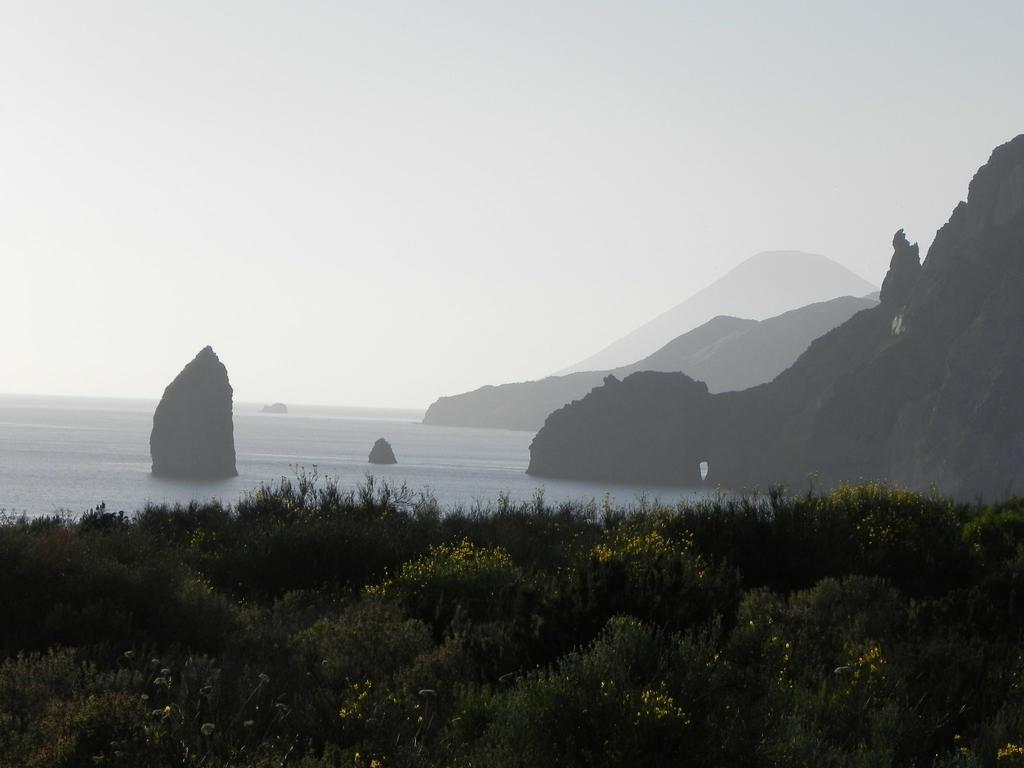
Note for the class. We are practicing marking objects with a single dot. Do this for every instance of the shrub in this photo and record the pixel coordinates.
(608, 705)
(637, 570)
(370, 640)
(864, 627)
(997, 534)
(452, 577)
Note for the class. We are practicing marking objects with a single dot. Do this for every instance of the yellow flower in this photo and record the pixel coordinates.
(633, 547)
(353, 709)
(1010, 751)
(657, 705)
(445, 561)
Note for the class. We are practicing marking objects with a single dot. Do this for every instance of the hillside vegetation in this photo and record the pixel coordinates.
(311, 626)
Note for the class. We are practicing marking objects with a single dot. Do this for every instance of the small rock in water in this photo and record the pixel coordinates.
(382, 453)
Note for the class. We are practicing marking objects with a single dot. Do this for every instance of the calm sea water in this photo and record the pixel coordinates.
(70, 454)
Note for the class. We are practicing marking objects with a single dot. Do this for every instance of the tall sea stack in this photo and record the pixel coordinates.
(193, 432)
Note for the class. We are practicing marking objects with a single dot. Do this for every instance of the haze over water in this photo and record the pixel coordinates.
(70, 454)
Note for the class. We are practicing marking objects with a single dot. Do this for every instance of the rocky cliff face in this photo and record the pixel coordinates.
(923, 390)
(193, 430)
(904, 268)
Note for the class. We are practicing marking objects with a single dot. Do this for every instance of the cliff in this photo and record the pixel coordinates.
(922, 390)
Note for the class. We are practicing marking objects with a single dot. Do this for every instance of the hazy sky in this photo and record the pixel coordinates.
(376, 203)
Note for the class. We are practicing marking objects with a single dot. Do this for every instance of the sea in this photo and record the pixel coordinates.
(67, 455)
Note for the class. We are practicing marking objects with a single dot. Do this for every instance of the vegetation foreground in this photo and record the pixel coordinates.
(310, 626)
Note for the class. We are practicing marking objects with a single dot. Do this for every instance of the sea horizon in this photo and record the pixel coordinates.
(69, 454)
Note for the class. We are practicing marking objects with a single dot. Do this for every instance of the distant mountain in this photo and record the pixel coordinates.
(757, 353)
(726, 352)
(764, 285)
(923, 390)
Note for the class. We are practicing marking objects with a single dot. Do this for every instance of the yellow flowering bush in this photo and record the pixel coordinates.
(996, 534)
(869, 664)
(1011, 754)
(355, 706)
(638, 569)
(639, 549)
(623, 545)
(658, 705)
(873, 496)
(887, 516)
(461, 574)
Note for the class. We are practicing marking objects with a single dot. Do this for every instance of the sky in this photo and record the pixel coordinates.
(378, 203)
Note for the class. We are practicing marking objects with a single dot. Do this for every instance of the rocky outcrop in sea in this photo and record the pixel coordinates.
(193, 428)
(382, 453)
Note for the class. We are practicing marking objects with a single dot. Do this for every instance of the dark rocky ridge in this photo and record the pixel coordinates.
(727, 353)
(193, 429)
(924, 390)
(381, 453)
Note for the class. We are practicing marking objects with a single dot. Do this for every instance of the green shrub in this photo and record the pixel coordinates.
(638, 570)
(606, 706)
(317, 626)
(996, 534)
(452, 577)
(370, 640)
